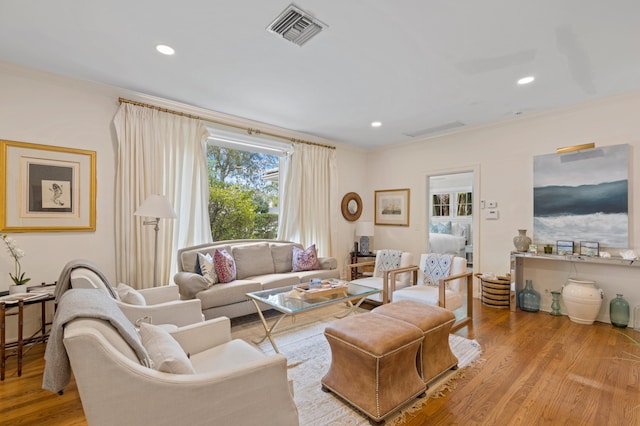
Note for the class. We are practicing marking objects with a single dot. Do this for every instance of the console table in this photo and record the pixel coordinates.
(41, 335)
(550, 271)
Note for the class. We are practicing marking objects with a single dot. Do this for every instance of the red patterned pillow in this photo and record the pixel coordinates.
(225, 266)
(305, 260)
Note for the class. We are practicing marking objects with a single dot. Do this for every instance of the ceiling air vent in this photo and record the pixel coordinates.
(296, 25)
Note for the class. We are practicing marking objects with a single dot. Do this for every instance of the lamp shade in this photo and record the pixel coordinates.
(364, 229)
(156, 206)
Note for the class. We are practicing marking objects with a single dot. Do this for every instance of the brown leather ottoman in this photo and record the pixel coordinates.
(435, 323)
(373, 363)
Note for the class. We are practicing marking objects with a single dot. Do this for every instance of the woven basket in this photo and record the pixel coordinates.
(495, 292)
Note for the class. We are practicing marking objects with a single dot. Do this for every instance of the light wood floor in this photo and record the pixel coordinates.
(537, 370)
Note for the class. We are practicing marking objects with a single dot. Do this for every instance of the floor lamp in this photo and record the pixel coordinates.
(156, 206)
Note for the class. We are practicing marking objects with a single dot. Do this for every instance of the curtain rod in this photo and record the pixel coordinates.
(247, 129)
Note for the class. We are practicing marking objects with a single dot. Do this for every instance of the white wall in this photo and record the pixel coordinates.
(42, 108)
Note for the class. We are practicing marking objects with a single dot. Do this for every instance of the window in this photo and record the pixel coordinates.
(441, 204)
(243, 187)
(465, 202)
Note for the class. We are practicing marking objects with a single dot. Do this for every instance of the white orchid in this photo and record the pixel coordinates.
(17, 254)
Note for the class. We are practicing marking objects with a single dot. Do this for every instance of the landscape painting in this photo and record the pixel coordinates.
(582, 196)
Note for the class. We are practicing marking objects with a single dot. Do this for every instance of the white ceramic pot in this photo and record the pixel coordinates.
(582, 299)
(15, 289)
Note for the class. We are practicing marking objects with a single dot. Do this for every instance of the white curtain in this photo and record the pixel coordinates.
(308, 212)
(165, 154)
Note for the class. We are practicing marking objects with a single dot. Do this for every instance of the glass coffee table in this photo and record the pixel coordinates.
(293, 300)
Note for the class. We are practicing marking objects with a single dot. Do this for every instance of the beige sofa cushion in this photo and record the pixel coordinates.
(226, 294)
(283, 257)
(252, 259)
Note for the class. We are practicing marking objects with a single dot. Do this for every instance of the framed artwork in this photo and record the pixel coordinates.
(583, 196)
(392, 207)
(589, 248)
(565, 247)
(47, 188)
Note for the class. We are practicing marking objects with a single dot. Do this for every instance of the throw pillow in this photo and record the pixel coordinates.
(165, 352)
(130, 295)
(387, 260)
(305, 260)
(441, 228)
(435, 267)
(207, 269)
(225, 266)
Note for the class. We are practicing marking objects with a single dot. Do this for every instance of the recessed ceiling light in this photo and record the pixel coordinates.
(526, 80)
(165, 50)
(376, 124)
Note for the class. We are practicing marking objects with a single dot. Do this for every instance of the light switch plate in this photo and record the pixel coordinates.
(492, 214)
(492, 204)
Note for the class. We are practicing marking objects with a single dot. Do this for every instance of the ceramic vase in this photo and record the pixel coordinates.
(582, 299)
(619, 311)
(522, 241)
(555, 303)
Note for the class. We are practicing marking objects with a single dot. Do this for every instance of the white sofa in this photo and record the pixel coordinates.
(234, 383)
(260, 265)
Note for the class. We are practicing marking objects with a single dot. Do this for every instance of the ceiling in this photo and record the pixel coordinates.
(419, 67)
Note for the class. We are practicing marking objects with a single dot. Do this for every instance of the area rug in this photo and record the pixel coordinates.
(302, 341)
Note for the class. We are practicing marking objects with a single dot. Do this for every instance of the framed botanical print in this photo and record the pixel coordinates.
(47, 188)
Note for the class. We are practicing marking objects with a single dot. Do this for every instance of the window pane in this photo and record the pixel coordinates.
(464, 200)
(243, 194)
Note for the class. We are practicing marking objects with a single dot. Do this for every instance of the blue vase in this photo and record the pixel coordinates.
(619, 311)
(529, 299)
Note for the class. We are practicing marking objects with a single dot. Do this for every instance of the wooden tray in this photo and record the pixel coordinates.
(323, 291)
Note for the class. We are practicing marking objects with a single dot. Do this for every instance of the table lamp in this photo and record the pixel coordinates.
(156, 206)
(364, 230)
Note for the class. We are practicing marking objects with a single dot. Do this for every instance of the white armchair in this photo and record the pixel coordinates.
(449, 292)
(162, 305)
(234, 383)
(392, 270)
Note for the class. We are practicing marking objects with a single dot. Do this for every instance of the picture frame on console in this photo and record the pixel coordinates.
(565, 247)
(47, 188)
(589, 248)
(392, 207)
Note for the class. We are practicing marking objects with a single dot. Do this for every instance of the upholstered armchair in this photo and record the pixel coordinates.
(392, 270)
(158, 305)
(441, 284)
(232, 382)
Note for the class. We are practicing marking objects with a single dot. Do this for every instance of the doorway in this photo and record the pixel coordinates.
(451, 214)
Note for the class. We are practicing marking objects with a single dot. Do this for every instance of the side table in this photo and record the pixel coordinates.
(41, 335)
(357, 257)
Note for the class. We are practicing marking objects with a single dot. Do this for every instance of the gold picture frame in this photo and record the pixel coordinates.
(392, 207)
(47, 188)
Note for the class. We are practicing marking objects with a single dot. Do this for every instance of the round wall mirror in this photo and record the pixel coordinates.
(351, 206)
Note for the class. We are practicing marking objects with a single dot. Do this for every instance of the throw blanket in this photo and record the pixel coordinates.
(64, 281)
(437, 266)
(83, 303)
(386, 260)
